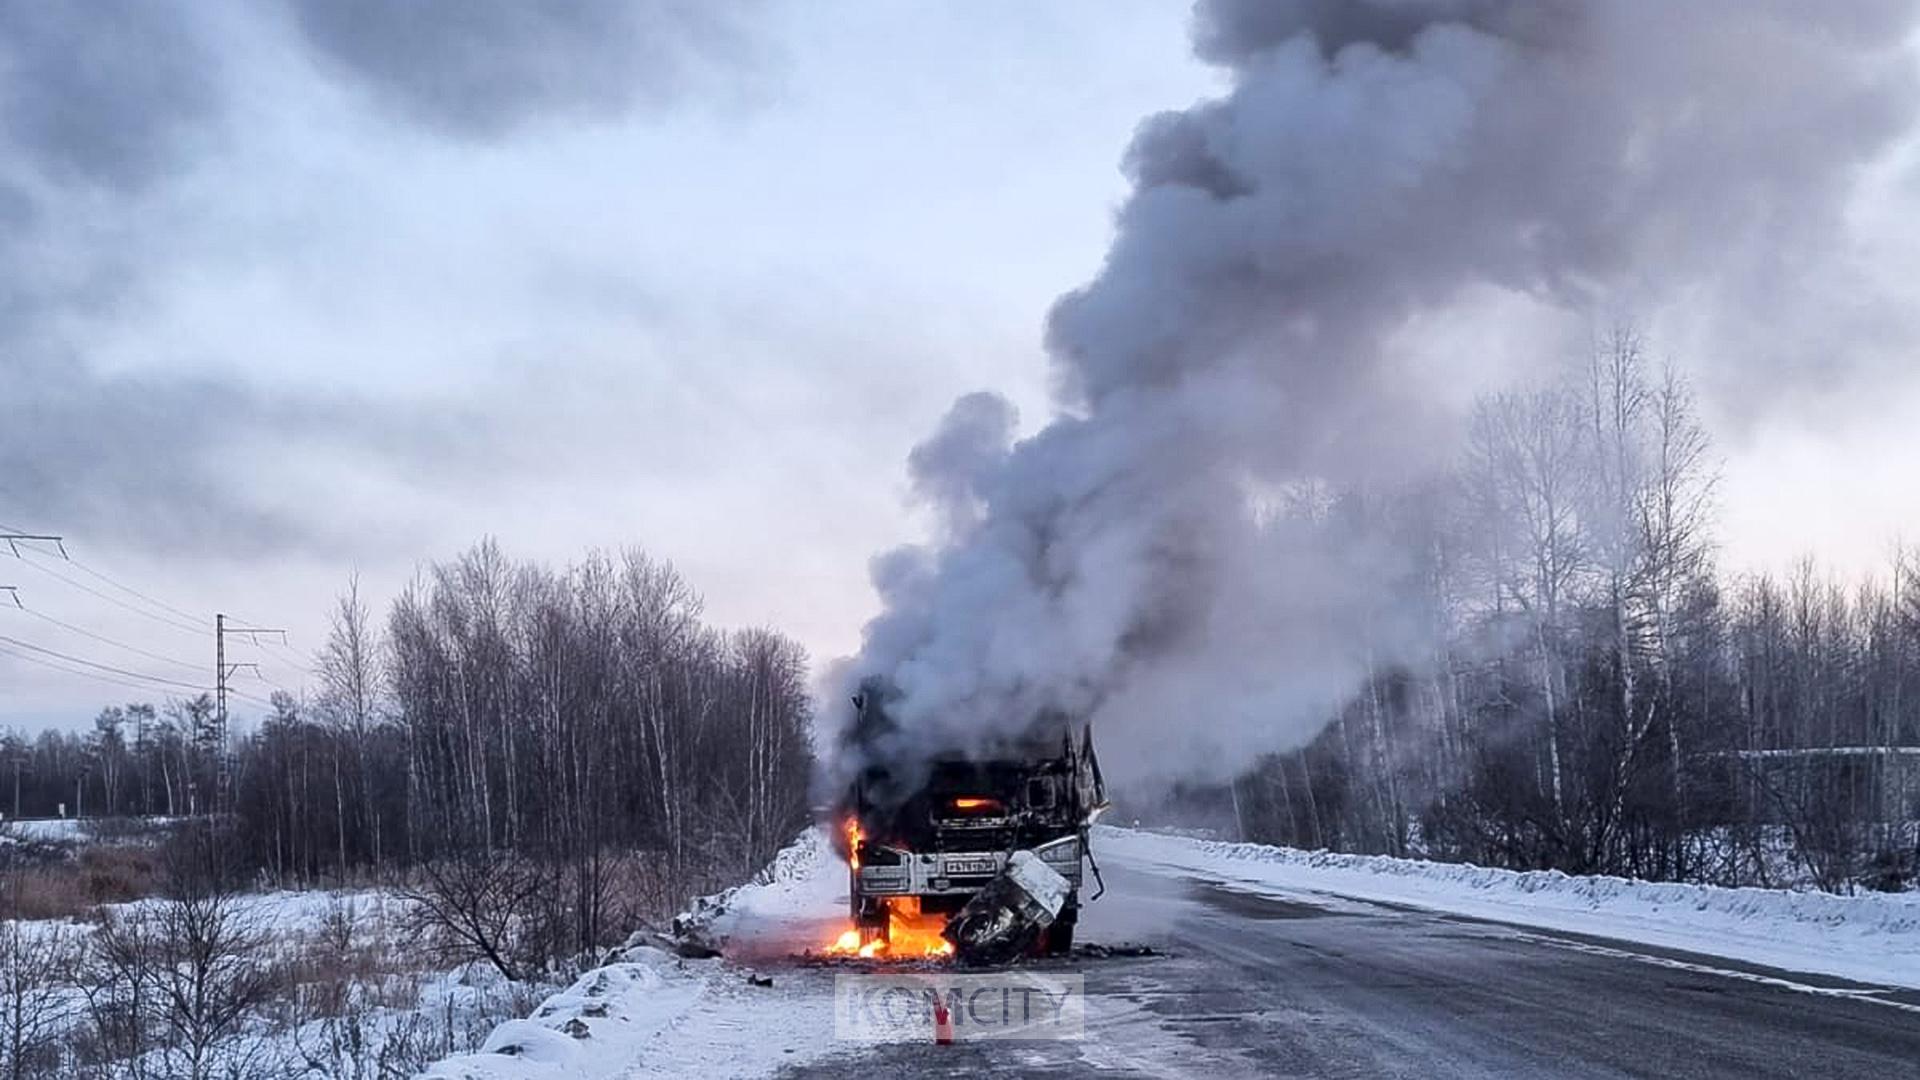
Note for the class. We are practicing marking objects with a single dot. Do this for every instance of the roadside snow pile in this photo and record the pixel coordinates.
(798, 902)
(594, 1028)
(1873, 937)
(651, 1013)
(802, 872)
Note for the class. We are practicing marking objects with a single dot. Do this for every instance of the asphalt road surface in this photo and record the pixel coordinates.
(1313, 985)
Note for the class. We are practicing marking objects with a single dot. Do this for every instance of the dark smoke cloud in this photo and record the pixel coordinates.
(477, 68)
(1377, 162)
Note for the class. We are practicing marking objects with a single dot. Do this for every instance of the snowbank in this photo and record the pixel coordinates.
(596, 1027)
(803, 876)
(651, 1013)
(798, 902)
(44, 830)
(1872, 938)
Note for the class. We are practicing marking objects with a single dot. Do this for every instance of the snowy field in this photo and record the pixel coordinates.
(394, 1002)
(654, 1015)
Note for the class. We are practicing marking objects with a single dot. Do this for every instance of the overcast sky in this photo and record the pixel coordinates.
(327, 286)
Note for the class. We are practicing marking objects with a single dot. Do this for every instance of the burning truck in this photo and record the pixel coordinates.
(979, 854)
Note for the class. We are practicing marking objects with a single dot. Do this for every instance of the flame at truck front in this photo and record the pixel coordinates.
(922, 838)
(911, 935)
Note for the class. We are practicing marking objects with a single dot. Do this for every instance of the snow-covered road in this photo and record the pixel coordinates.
(1278, 965)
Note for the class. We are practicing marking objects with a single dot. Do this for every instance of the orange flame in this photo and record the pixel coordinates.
(911, 933)
(973, 802)
(854, 836)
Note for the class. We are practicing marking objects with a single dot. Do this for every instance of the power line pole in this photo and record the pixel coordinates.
(13, 540)
(222, 670)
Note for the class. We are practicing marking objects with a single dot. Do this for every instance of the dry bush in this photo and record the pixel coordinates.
(43, 893)
(357, 959)
(118, 874)
(531, 917)
(180, 985)
(357, 998)
(71, 885)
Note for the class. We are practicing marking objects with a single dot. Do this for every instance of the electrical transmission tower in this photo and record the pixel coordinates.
(222, 669)
(13, 540)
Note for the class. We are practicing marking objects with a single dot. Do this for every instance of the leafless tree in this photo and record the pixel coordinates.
(36, 997)
(351, 678)
(478, 907)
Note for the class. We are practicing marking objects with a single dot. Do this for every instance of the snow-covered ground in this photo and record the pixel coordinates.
(1873, 937)
(399, 1005)
(43, 830)
(652, 1014)
(77, 832)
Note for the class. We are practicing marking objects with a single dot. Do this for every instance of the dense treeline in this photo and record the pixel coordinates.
(504, 708)
(1596, 697)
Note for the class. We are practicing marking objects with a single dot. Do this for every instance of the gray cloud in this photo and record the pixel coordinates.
(1375, 162)
(108, 93)
(175, 462)
(121, 456)
(102, 105)
(477, 68)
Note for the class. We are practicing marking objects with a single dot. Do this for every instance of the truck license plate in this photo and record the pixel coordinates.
(971, 866)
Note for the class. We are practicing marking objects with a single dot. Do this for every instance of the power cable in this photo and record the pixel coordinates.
(196, 631)
(122, 586)
(131, 591)
(95, 664)
(136, 681)
(103, 639)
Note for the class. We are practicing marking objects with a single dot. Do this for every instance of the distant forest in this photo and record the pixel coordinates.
(1598, 697)
(498, 708)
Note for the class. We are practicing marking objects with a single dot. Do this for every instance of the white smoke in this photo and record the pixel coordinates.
(1375, 164)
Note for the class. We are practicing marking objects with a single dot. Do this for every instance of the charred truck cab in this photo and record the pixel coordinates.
(935, 838)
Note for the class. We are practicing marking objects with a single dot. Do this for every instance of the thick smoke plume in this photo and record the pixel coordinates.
(1376, 163)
